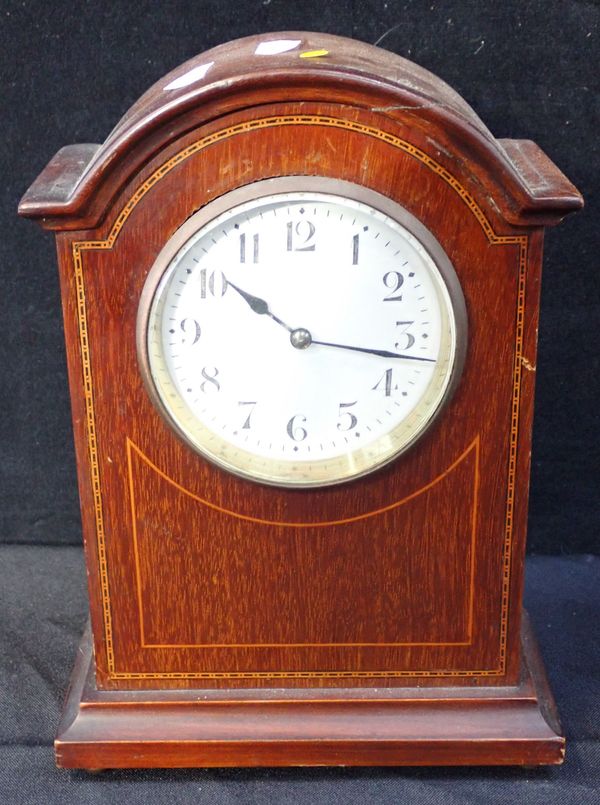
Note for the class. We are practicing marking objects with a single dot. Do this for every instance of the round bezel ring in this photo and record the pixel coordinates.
(290, 473)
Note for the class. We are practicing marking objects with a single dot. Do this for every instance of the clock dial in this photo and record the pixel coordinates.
(302, 336)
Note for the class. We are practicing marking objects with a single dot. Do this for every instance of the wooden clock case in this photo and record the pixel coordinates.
(375, 622)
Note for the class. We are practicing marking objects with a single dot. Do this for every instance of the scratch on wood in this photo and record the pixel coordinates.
(405, 107)
(440, 149)
(527, 365)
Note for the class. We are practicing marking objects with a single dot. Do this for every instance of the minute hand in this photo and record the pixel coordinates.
(383, 353)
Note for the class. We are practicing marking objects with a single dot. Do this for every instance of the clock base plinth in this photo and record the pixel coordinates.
(313, 727)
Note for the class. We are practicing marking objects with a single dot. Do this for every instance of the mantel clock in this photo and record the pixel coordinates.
(300, 283)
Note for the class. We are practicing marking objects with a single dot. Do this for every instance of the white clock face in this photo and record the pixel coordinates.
(301, 337)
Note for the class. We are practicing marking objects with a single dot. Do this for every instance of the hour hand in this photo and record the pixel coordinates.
(258, 305)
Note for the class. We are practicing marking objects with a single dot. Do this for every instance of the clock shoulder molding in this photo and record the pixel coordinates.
(238, 624)
(77, 188)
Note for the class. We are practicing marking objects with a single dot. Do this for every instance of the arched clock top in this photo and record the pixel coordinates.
(77, 187)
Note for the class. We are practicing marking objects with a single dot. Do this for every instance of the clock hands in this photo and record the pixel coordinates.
(258, 305)
(301, 338)
(382, 353)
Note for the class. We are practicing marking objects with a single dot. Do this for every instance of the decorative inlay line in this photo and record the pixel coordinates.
(78, 247)
(284, 524)
(512, 452)
(93, 452)
(306, 674)
(473, 447)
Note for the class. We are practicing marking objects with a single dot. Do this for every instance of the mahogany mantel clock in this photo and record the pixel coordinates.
(300, 284)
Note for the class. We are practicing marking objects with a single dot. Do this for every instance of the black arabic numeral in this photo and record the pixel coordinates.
(214, 283)
(350, 423)
(210, 380)
(243, 248)
(191, 331)
(393, 280)
(246, 425)
(355, 250)
(386, 380)
(304, 231)
(410, 339)
(296, 432)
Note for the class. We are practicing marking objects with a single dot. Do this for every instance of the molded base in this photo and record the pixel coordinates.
(312, 727)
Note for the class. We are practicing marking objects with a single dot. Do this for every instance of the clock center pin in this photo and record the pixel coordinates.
(300, 338)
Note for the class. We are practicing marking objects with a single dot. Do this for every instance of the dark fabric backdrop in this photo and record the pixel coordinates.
(69, 70)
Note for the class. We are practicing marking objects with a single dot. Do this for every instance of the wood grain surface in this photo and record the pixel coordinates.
(444, 726)
(420, 589)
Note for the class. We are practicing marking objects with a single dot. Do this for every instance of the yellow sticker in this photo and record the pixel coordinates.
(313, 54)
